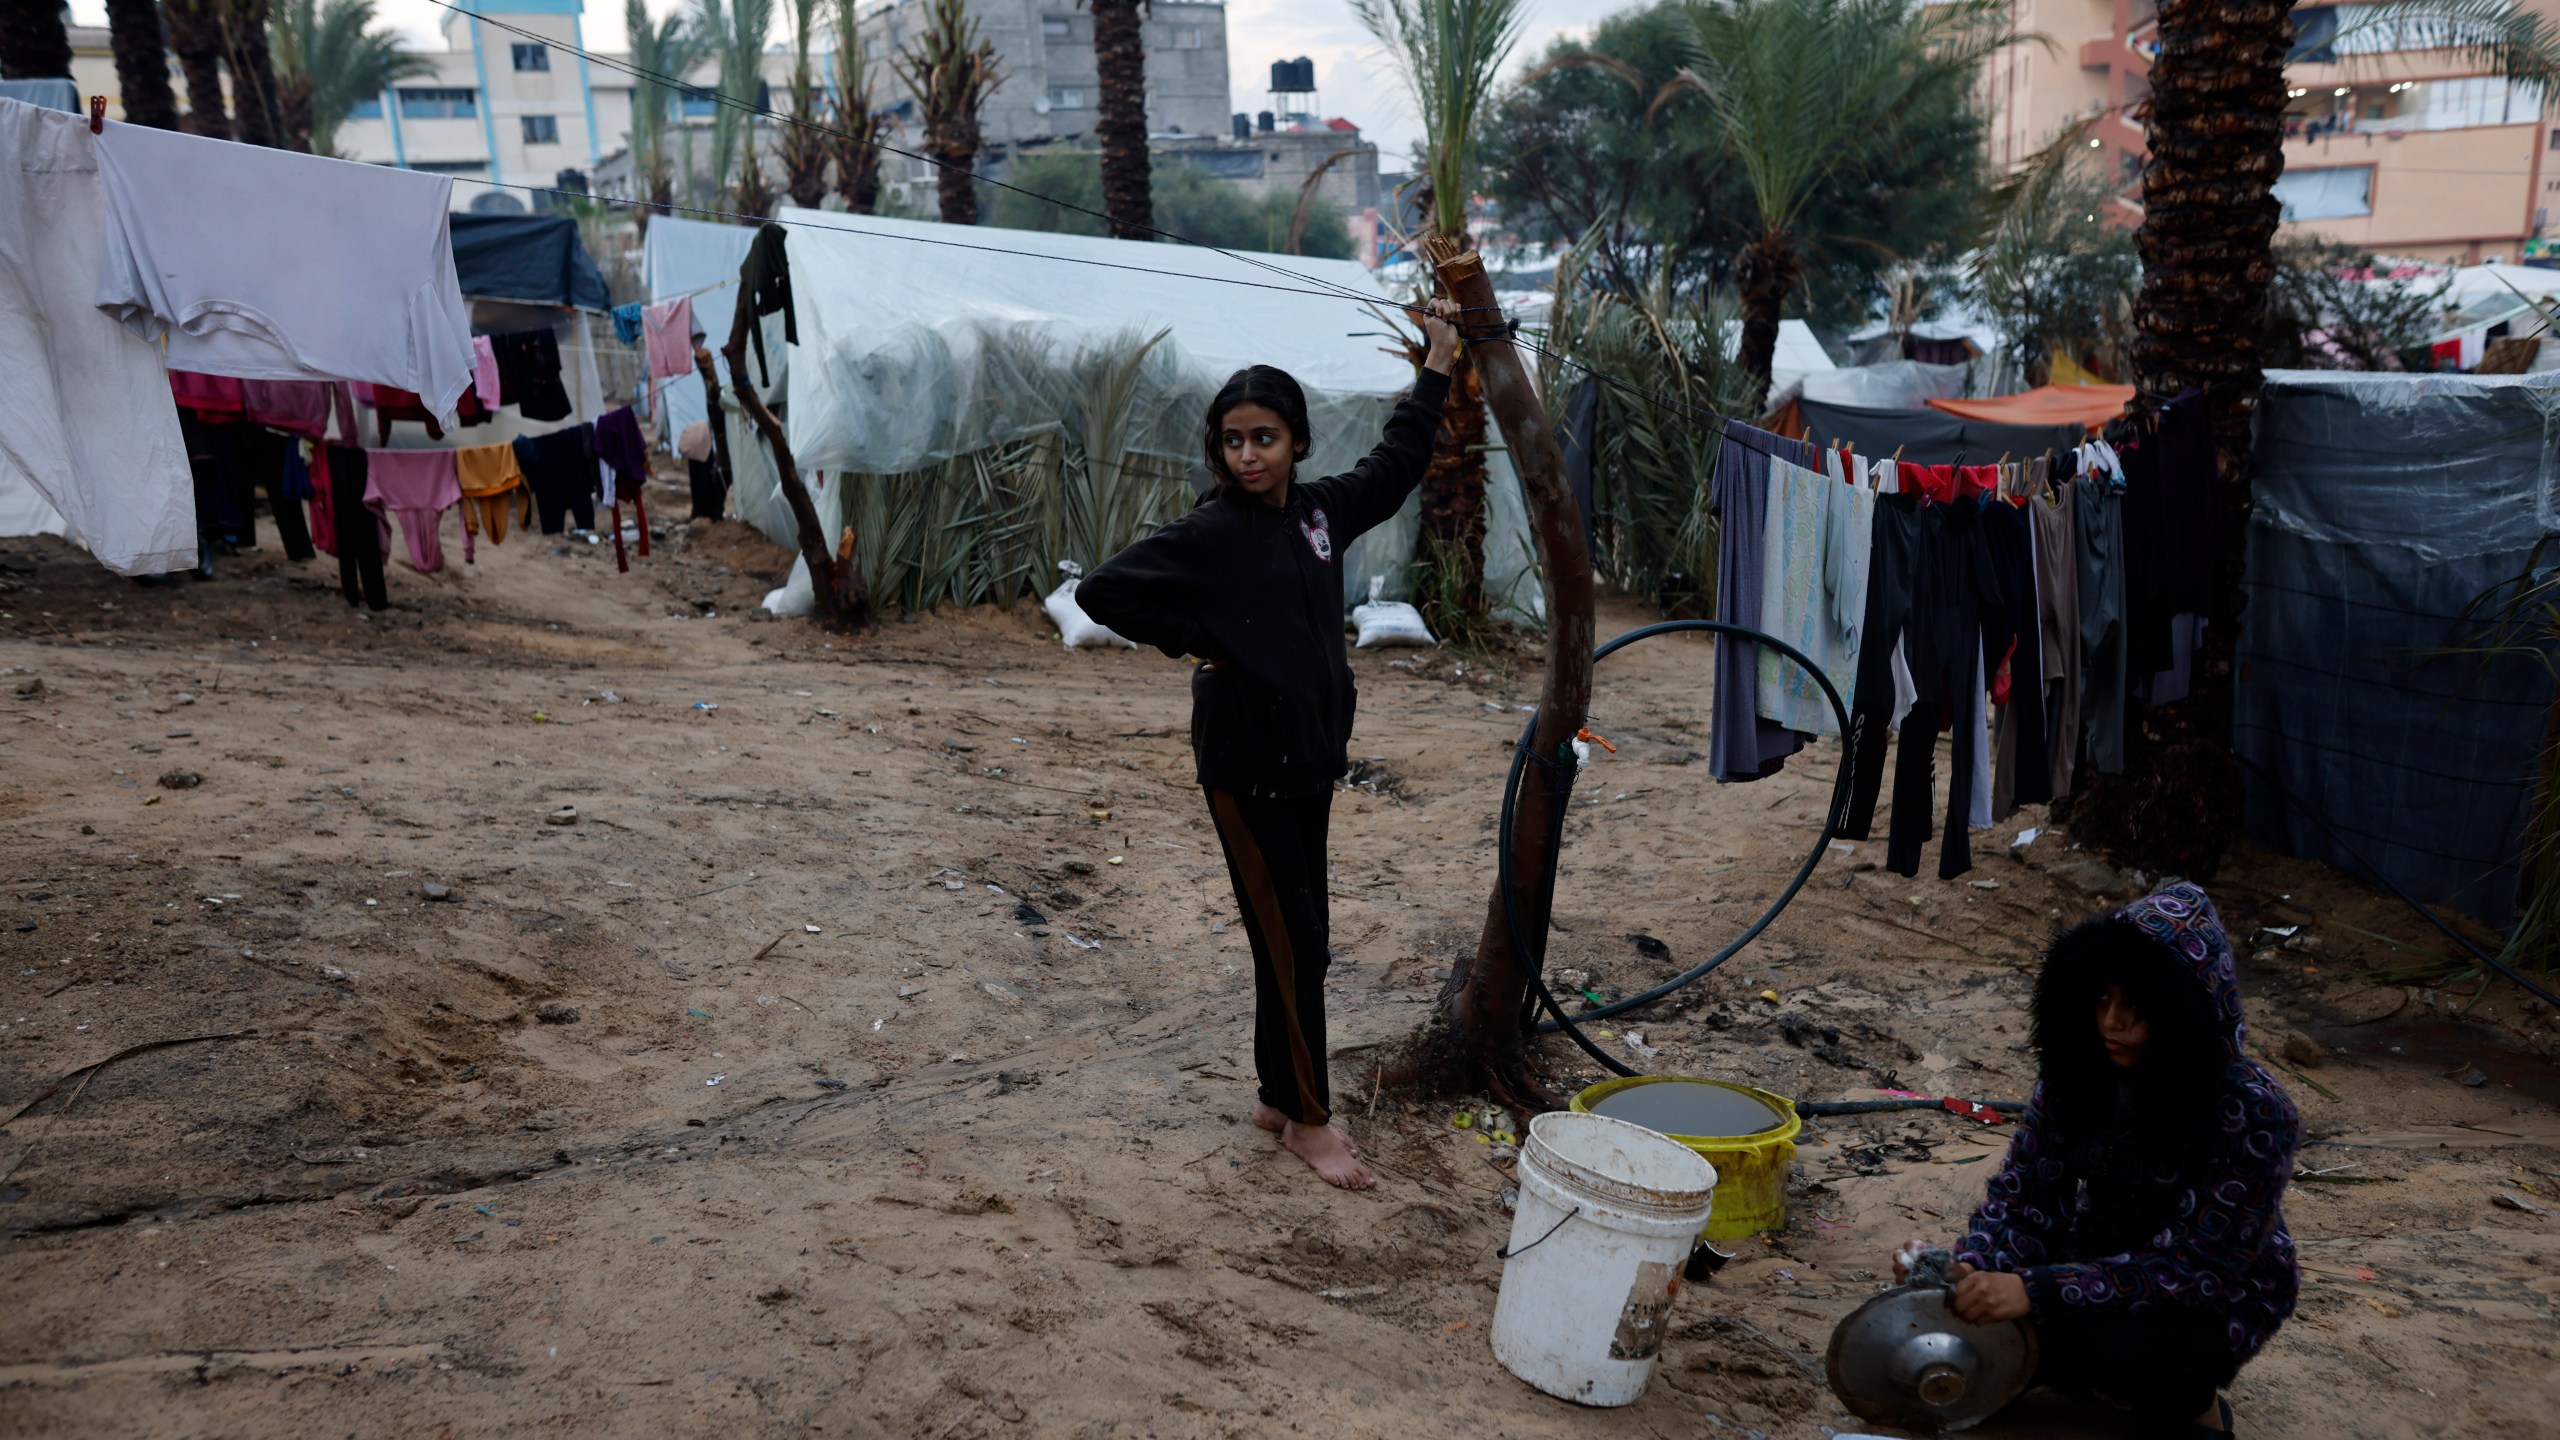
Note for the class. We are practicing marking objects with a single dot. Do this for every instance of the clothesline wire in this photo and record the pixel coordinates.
(750, 108)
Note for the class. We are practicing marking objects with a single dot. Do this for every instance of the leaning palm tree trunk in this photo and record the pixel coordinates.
(195, 37)
(1120, 69)
(142, 63)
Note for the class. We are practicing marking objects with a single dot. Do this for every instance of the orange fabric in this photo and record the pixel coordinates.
(2090, 406)
(493, 488)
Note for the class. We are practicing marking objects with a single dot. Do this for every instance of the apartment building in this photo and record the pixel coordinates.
(2392, 142)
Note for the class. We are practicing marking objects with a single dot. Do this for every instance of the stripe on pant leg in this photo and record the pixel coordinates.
(1259, 893)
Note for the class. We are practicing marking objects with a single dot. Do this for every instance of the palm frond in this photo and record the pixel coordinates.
(2516, 42)
(1448, 53)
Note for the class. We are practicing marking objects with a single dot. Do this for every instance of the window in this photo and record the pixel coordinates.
(540, 129)
(459, 169)
(699, 102)
(1066, 99)
(531, 57)
(439, 104)
(2476, 100)
(370, 108)
(1057, 27)
(1186, 37)
(2333, 194)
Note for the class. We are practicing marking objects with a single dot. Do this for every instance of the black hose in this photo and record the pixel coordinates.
(1535, 958)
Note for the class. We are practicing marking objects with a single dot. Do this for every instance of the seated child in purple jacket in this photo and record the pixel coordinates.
(2137, 1223)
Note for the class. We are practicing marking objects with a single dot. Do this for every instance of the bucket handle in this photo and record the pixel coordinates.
(1506, 1252)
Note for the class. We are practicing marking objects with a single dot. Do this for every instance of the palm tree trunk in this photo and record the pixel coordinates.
(1453, 512)
(2215, 129)
(955, 144)
(1768, 274)
(1120, 67)
(253, 73)
(33, 43)
(195, 36)
(142, 63)
(858, 163)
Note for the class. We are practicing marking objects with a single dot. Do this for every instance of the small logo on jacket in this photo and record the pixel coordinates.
(1319, 535)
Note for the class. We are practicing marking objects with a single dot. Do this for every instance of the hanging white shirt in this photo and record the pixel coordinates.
(270, 265)
(85, 417)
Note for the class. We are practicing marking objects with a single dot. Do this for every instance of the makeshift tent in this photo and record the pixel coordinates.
(2385, 504)
(916, 351)
(1886, 384)
(2089, 406)
(1929, 437)
(530, 259)
(699, 259)
(53, 92)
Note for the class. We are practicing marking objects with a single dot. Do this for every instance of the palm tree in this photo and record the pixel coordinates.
(1801, 92)
(329, 56)
(1120, 70)
(33, 43)
(735, 34)
(804, 146)
(2215, 134)
(951, 69)
(858, 123)
(255, 98)
(1448, 52)
(669, 47)
(195, 37)
(142, 63)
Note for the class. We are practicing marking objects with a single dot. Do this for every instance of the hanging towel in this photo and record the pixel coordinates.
(1814, 592)
(270, 265)
(626, 323)
(667, 330)
(414, 487)
(86, 415)
(1740, 744)
(484, 373)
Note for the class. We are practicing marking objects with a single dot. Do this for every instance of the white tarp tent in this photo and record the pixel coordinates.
(920, 341)
(681, 257)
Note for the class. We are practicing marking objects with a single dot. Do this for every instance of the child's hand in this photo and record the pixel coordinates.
(1988, 1296)
(1440, 329)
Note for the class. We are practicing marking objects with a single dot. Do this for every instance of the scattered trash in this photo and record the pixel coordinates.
(828, 1084)
(608, 697)
(1769, 995)
(812, 929)
(539, 718)
(180, 779)
(705, 706)
(2470, 1075)
(434, 891)
(1082, 943)
(1984, 884)
(1114, 860)
(557, 1012)
(698, 1015)
(2027, 837)
(1636, 1043)
(1650, 948)
(2509, 1202)
(1027, 914)
(2281, 932)
(876, 1024)
(955, 885)
(565, 815)
(1098, 815)
(333, 972)
(714, 1080)
(1463, 1120)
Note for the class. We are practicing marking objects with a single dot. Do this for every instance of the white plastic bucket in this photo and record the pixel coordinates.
(1608, 1213)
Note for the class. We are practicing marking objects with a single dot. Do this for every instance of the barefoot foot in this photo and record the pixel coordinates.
(1272, 1120)
(1329, 1154)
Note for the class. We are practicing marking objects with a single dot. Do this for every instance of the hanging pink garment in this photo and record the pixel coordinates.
(666, 337)
(301, 407)
(212, 397)
(484, 372)
(414, 487)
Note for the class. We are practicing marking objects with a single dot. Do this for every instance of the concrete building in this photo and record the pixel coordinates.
(2391, 145)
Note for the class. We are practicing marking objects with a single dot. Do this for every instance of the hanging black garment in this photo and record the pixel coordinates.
(766, 278)
(529, 374)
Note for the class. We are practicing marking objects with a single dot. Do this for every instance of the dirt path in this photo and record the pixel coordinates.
(749, 1104)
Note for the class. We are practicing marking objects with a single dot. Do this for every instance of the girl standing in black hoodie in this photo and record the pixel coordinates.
(1250, 583)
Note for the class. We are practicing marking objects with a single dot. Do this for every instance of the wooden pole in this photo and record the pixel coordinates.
(1486, 1001)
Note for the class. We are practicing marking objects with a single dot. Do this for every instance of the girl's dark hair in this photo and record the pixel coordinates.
(2174, 1092)
(1268, 386)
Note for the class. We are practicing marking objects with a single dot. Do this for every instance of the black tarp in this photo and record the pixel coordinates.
(1930, 437)
(2385, 504)
(535, 259)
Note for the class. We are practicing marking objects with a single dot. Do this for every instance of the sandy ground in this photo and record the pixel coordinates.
(747, 1105)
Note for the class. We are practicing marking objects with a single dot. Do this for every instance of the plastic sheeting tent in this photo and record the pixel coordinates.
(920, 344)
(2385, 504)
(682, 257)
(530, 259)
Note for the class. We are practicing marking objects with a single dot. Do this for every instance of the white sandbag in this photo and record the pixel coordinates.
(1388, 622)
(1075, 627)
(797, 597)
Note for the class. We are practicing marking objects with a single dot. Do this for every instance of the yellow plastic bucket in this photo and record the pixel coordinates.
(1751, 1170)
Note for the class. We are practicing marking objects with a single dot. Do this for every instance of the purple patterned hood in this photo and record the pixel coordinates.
(2091, 1219)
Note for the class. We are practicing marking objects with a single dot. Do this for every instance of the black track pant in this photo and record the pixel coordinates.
(359, 532)
(1928, 577)
(1275, 856)
(260, 453)
(2165, 1366)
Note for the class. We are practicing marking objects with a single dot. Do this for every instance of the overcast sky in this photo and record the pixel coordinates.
(1355, 82)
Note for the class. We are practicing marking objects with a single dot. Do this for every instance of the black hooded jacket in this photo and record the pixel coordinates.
(1258, 589)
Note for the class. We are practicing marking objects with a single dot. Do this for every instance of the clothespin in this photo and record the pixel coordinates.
(1897, 454)
(97, 114)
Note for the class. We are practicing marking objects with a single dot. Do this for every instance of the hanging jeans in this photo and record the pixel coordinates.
(1276, 860)
(2100, 523)
(2023, 774)
(363, 535)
